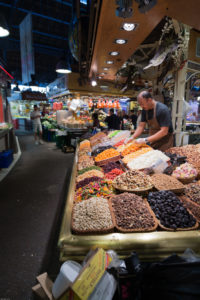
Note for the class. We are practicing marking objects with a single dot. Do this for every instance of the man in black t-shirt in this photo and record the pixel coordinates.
(113, 121)
(158, 118)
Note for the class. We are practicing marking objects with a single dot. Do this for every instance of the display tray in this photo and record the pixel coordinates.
(149, 245)
(133, 191)
(106, 161)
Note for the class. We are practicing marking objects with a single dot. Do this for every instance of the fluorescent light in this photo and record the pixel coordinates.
(110, 62)
(93, 82)
(129, 26)
(114, 53)
(120, 41)
(106, 69)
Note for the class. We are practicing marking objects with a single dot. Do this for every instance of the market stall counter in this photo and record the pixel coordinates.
(150, 242)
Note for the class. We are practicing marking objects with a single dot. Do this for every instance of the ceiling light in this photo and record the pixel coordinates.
(129, 26)
(99, 77)
(110, 62)
(63, 67)
(114, 53)
(120, 41)
(106, 69)
(3, 27)
(93, 82)
(103, 73)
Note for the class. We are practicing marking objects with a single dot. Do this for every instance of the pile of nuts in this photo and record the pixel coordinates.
(193, 207)
(131, 212)
(92, 215)
(84, 158)
(133, 180)
(85, 164)
(170, 211)
(165, 182)
(192, 191)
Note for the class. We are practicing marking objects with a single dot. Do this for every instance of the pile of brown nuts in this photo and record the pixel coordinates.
(192, 191)
(194, 208)
(165, 182)
(131, 212)
(85, 164)
(133, 180)
(92, 214)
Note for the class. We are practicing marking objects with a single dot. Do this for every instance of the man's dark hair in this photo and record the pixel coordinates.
(95, 116)
(35, 106)
(146, 95)
(112, 110)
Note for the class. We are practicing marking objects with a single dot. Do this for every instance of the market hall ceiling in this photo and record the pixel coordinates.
(109, 29)
(51, 25)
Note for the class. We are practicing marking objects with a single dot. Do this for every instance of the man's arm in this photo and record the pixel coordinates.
(158, 135)
(139, 130)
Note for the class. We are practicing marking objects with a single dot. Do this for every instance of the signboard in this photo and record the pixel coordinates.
(26, 45)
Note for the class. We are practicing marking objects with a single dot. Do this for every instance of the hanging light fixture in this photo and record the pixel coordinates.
(63, 67)
(3, 27)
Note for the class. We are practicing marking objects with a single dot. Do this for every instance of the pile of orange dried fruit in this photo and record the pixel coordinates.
(85, 144)
(109, 153)
(133, 147)
(135, 154)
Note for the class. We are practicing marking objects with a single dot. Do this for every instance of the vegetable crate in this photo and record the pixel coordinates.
(6, 158)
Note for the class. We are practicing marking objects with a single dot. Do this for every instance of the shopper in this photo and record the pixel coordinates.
(44, 111)
(37, 126)
(133, 116)
(113, 121)
(158, 118)
(96, 123)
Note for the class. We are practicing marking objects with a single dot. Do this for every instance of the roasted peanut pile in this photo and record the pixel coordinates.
(133, 180)
(90, 173)
(92, 214)
(131, 212)
(85, 164)
(165, 182)
(192, 191)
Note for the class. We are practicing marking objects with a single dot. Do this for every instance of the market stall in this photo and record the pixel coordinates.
(95, 214)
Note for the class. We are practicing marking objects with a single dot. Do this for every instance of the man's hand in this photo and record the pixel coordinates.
(140, 141)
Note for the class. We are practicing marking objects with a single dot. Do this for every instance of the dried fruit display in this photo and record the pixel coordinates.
(191, 206)
(170, 211)
(88, 169)
(92, 215)
(165, 182)
(85, 164)
(113, 133)
(84, 158)
(129, 157)
(85, 151)
(86, 181)
(133, 181)
(94, 189)
(147, 160)
(110, 166)
(101, 149)
(119, 143)
(185, 172)
(84, 144)
(133, 147)
(97, 136)
(123, 147)
(109, 153)
(114, 173)
(90, 173)
(192, 191)
(132, 213)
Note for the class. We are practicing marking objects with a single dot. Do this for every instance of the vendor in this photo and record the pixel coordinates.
(95, 118)
(158, 118)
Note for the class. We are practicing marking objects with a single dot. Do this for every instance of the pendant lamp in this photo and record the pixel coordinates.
(63, 67)
(3, 27)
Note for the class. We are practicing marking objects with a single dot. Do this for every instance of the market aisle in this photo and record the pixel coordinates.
(31, 204)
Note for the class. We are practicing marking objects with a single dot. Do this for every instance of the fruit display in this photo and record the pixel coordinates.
(123, 147)
(97, 136)
(110, 166)
(185, 173)
(132, 213)
(113, 133)
(109, 153)
(92, 215)
(133, 181)
(119, 143)
(101, 149)
(133, 147)
(85, 144)
(129, 157)
(86, 181)
(114, 173)
(147, 160)
(84, 158)
(94, 189)
(90, 173)
(170, 211)
(163, 182)
(123, 134)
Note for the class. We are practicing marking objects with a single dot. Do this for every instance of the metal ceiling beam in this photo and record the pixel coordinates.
(53, 36)
(35, 14)
(64, 2)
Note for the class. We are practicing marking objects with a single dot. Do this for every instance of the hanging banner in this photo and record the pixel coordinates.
(26, 45)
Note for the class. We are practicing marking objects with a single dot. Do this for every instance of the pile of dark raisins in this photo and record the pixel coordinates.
(170, 211)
